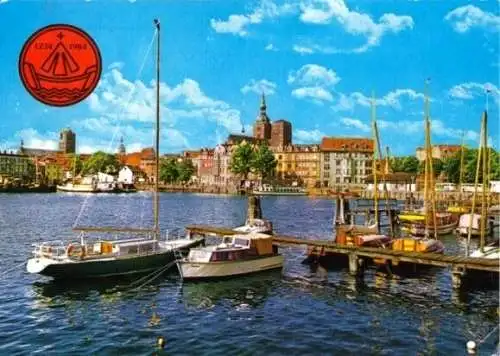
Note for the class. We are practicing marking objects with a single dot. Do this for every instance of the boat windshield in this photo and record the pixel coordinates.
(241, 242)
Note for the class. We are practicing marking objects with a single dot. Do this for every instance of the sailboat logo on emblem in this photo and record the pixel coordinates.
(60, 65)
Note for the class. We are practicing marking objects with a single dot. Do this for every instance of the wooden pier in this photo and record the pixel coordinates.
(359, 256)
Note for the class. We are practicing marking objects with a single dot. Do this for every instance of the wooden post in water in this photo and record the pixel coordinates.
(356, 267)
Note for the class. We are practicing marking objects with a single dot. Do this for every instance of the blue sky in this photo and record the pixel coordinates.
(317, 60)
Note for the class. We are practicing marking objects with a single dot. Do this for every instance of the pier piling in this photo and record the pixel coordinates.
(457, 276)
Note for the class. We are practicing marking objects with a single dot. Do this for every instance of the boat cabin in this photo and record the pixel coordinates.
(236, 247)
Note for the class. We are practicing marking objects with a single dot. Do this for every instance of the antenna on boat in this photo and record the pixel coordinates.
(157, 153)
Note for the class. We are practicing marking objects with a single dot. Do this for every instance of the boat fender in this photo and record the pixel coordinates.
(69, 249)
(82, 253)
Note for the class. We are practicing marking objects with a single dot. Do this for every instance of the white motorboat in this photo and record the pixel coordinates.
(262, 226)
(465, 222)
(237, 255)
(491, 251)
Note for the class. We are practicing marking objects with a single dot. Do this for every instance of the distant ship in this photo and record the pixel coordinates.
(267, 189)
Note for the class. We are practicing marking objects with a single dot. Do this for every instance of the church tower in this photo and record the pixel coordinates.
(121, 147)
(262, 126)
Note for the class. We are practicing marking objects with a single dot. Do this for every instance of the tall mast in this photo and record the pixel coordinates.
(476, 181)
(374, 161)
(461, 178)
(157, 150)
(484, 208)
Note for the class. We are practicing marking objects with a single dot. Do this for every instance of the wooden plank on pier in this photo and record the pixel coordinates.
(433, 259)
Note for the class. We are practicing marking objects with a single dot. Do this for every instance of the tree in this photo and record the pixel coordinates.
(185, 170)
(101, 162)
(407, 164)
(264, 162)
(241, 160)
(451, 166)
(169, 171)
(437, 166)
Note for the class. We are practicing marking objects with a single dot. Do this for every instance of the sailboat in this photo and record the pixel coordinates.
(140, 251)
(493, 249)
(418, 223)
(368, 235)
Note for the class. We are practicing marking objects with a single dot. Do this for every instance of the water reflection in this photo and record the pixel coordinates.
(251, 291)
(108, 289)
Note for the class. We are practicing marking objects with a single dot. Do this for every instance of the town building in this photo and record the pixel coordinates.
(16, 167)
(299, 163)
(206, 166)
(438, 151)
(144, 160)
(345, 161)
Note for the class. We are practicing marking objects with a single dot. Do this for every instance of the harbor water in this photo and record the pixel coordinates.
(296, 312)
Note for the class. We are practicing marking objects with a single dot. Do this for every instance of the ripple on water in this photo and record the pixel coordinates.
(303, 312)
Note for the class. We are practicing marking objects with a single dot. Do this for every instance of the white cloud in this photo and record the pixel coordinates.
(316, 94)
(466, 17)
(323, 12)
(416, 127)
(302, 49)
(259, 86)
(120, 99)
(237, 24)
(33, 139)
(471, 90)
(270, 47)
(391, 99)
(313, 75)
(101, 133)
(308, 136)
(117, 65)
(355, 123)
(318, 12)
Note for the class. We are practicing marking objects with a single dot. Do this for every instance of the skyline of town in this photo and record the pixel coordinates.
(231, 52)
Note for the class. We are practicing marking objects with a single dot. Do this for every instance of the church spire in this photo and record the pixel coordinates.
(263, 109)
(121, 147)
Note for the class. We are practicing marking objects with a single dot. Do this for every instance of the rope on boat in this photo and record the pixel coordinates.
(11, 269)
(148, 278)
(158, 274)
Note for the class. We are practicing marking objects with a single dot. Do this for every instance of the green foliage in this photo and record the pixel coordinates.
(168, 171)
(79, 164)
(186, 170)
(246, 159)
(264, 162)
(101, 162)
(452, 166)
(172, 171)
(242, 159)
(407, 164)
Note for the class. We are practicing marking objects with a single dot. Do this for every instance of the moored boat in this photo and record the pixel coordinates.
(105, 258)
(415, 223)
(471, 222)
(237, 255)
(491, 251)
(267, 189)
